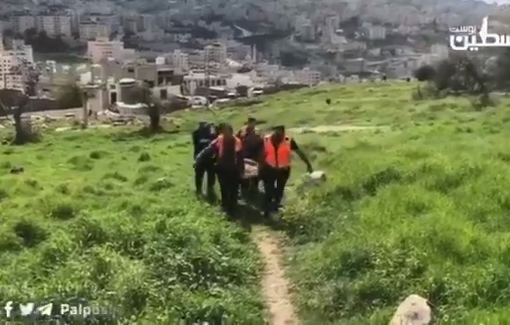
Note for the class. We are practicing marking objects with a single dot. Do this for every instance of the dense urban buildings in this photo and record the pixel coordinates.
(14, 57)
(244, 43)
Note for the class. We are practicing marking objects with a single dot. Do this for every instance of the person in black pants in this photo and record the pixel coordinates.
(275, 170)
(252, 149)
(229, 166)
(203, 136)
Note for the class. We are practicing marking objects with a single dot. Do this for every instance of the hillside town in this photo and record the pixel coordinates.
(188, 49)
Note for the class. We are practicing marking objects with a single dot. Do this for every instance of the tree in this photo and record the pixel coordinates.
(41, 42)
(244, 69)
(143, 94)
(15, 102)
(242, 91)
(70, 96)
(425, 73)
(460, 74)
(499, 70)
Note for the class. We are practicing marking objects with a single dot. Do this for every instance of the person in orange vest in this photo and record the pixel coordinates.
(275, 169)
(229, 166)
(252, 148)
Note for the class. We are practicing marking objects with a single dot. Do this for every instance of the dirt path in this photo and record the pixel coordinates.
(275, 285)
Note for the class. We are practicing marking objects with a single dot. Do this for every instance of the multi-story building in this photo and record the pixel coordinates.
(196, 59)
(92, 31)
(331, 24)
(195, 80)
(18, 49)
(103, 48)
(180, 60)
(307, 32)
(146, 23)
(238, 51)
(376, 32)
(307, 76)
(300, 21)
(58, 25)
(20, 24)
(216, 53)
(12, 58)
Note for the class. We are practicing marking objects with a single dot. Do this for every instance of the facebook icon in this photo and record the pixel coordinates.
(8, 309)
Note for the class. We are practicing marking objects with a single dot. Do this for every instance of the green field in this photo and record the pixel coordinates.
(420, 205)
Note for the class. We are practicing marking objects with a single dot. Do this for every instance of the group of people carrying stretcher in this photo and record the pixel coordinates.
(243, 160)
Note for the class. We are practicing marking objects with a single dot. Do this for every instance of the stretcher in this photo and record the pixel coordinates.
(251, 169)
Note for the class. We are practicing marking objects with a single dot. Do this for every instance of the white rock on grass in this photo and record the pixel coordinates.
(414, 310)
(315, 178)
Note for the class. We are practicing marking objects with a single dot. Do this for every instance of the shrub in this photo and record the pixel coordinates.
(425, 73)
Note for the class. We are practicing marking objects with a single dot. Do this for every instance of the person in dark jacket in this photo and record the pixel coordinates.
(203, 136)
(253, 146)
(229, 166)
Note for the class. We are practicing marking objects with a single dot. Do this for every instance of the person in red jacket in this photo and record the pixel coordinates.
(275, 169)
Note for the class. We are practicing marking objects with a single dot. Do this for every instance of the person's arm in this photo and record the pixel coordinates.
(194, 138)
(294, 147)
(209, 150)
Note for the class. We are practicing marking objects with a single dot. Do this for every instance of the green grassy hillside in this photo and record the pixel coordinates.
(419, 205)
(106, 217)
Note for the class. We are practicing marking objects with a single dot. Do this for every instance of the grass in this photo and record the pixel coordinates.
(115, 222)
(421, 206)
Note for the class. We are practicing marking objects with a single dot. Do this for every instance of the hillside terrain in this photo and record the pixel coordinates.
(416, 202)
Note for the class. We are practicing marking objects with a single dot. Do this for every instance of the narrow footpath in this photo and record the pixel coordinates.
(275, 286)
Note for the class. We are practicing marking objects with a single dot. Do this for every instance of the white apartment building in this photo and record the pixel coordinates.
(19, 50)
(216, 52)
(300, 21)
(103, 48)
(196, 58)
(332, 23)
(307, 32)
(307, 76)
(92, 31)
(20, 24)
(147, 23)
(268, 71)
(376, 32)
(55, 25)
(195, 80)
(180, 60)
(10, 58)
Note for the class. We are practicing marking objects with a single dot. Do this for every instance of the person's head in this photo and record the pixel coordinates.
(220, 128)
(202, 124)
(279, 133)
(251, 123)
(227, 130)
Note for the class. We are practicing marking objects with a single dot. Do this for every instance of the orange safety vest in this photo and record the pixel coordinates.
(220, 141)
(277, 158)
